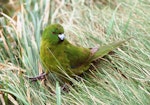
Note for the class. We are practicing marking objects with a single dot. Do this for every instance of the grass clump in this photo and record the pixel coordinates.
(121, 78)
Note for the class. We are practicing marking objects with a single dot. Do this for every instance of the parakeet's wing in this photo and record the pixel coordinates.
(76, 55)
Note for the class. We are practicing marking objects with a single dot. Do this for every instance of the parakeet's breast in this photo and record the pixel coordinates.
(53, 57)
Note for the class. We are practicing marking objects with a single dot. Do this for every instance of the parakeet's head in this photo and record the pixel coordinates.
(54, 33)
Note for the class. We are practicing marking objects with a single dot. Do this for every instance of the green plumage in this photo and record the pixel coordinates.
(60, 56)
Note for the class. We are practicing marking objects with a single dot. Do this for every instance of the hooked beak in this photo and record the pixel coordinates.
(61, 37)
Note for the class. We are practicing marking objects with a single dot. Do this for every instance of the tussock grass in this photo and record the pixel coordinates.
(121, 78)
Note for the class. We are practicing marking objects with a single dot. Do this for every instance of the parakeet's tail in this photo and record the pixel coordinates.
(104, 50)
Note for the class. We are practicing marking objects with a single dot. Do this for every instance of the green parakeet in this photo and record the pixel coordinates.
(60, 56)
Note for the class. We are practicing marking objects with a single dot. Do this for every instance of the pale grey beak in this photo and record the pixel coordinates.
(61, 37)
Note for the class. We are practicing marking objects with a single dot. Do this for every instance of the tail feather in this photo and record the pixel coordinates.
(104, 50)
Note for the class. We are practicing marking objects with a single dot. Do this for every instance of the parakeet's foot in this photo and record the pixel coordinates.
(39, 77)
(65, 87)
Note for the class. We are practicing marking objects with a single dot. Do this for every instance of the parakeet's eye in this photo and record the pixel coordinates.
(54, 33)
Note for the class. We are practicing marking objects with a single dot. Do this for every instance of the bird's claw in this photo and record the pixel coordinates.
(39, 77)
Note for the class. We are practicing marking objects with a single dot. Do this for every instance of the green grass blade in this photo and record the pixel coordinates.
(58, 94)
